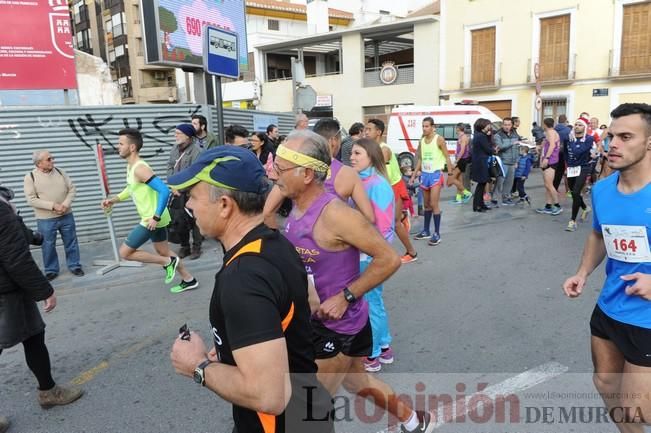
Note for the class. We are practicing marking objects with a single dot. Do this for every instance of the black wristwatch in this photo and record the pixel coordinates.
(199, 375)
(350, 298)
(156, 218)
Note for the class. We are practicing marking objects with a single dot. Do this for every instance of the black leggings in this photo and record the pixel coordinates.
(478, 199)
(560, 171)
(38, 360)
(576, 185)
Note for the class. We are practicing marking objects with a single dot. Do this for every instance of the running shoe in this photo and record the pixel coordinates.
(585, 212)
(508, 202)
(571, 226)
(467, 197)
(185, 285)
(568, 194)
(386, 357)
(408, 258)
(372, 365)
(427, 423)
(544, 210)
(422, 235)
(170, 269)
(557, 210)
(434, 240)
(455, 201)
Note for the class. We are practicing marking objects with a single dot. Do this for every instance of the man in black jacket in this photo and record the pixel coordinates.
(22, 285)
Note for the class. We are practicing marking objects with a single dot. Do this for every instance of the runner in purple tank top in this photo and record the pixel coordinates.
(342, 180)
(329, 236)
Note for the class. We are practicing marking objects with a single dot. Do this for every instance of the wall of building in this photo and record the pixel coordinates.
(591, 44)
(347, 89)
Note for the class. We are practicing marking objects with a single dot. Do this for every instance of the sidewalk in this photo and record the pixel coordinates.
(67, 283)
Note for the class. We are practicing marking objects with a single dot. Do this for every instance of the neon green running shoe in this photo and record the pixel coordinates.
(185, 285)
(170, 270)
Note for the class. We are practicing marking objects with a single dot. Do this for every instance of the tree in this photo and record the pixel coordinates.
(168, 23)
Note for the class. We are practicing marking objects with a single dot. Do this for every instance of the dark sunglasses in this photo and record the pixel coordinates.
(184, 332)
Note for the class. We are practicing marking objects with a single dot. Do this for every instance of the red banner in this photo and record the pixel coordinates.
(36, 50)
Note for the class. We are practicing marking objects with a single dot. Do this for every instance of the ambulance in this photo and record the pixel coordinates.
(405, 126)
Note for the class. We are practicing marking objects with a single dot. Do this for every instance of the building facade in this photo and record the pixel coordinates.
(358, 73)
(576, 55)
(112, 30)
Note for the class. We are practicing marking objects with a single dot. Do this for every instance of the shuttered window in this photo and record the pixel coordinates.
(636, 39)
(483, 57)
(554, 47)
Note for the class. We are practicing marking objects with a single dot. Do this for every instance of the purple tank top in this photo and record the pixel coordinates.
(553, 158)
(466, 151)
(329, 183)
(331, 270)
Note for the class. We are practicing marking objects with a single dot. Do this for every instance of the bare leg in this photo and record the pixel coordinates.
(332, 371)
(128, 253)
(455, 180)
(359, 382)
(608, 368)
(401, 231)
(434, 199)
(635, 385)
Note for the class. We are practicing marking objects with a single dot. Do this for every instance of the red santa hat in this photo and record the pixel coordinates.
(585, 122)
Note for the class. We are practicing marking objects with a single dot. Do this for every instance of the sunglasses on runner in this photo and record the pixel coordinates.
(184, 332)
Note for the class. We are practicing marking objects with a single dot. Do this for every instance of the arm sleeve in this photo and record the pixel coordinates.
(72, 189)
(250, 294)
(32, 197)
(16, 259)
(163, 193)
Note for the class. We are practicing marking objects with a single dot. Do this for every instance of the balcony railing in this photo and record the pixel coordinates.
(405, 76)
(468, 84)
(615, 72)
(571, 72)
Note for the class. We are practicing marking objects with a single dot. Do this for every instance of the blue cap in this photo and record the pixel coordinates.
(230, 167)
(187, 129)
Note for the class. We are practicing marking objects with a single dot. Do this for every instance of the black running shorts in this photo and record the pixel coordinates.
(632, 341)
(328, 344)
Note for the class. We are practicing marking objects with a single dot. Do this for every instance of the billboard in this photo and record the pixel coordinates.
(173, 29)
(36, 49)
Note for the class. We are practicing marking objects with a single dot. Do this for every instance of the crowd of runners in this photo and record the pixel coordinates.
(319, 288)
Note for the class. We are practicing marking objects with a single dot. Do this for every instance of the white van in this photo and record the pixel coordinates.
(405, 126)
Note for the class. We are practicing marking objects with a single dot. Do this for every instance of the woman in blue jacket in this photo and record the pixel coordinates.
(577, 156)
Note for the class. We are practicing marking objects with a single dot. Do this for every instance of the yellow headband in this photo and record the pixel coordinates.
(301, 159)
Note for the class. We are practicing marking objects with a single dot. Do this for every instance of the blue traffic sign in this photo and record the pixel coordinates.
(220, 53)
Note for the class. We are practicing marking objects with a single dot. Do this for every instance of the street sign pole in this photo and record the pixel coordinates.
(220, 109)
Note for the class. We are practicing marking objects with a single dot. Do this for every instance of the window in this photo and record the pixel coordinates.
(111, 56)
(483, 57)
(119, 50)
(273, 25)
(554, 47)
(636, 39)
(117, 25)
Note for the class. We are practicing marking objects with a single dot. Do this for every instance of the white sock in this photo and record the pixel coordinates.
(189, 281)
(412, 422)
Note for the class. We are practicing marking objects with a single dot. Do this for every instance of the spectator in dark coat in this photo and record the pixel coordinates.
(22, 285)
(482, 148)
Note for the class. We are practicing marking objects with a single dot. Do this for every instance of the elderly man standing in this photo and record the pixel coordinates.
(50, 192)
(182, 156)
